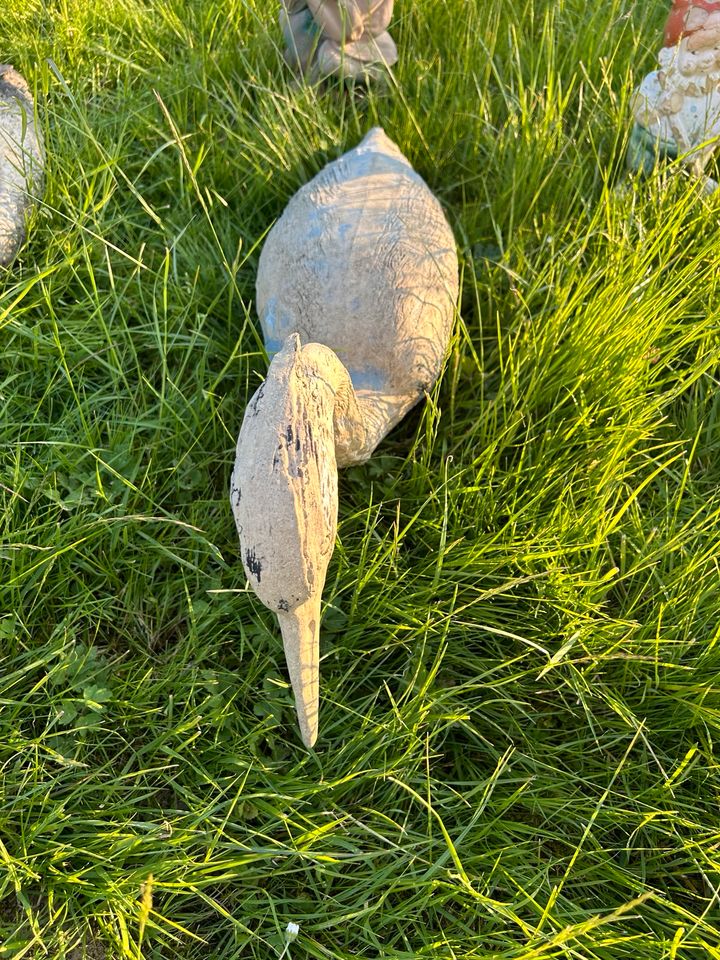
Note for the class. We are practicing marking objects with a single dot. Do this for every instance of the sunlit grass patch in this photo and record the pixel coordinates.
(520, 635)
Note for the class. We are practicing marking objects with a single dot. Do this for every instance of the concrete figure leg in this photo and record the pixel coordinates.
(347, 38)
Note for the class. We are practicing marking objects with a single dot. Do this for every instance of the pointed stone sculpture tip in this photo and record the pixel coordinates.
(356, 291)
(21, 161)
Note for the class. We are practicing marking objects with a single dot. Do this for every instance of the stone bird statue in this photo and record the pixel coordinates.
(356, 291)
(21, 161)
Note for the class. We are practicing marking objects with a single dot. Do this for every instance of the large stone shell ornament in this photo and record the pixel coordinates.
(356, 291)
(21, 161)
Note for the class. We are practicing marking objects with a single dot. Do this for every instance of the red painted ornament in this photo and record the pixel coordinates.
(676, 26)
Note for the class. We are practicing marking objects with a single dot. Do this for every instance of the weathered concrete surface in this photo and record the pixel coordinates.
(364, 261)
(21, 161)
(356, 291)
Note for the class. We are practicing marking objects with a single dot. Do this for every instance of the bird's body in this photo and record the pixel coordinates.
(21, 161)
(363, 260)
(356, 291)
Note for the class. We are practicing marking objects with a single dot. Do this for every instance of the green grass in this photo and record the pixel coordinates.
(521, 633)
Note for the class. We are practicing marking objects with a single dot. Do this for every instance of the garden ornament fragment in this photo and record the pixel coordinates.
(677, 107)
(21, 161)
(356, 291)
(348, 38)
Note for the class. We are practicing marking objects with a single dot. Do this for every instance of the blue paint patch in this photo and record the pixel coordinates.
(369, 378)
(274, 329)
(272, 346)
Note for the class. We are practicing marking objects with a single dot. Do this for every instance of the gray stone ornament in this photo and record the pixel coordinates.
(356, 291)
(21, 161)
(346, 38)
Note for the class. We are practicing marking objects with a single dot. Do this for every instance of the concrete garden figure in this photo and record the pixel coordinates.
(21, 161)
(356, 291)
(677, 107)
(347, 38)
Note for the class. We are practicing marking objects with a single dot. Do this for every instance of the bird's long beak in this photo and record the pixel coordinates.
(301, 639)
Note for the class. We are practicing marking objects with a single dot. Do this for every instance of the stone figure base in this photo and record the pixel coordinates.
(345, 38)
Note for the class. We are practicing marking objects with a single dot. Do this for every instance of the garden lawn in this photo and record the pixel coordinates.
(521, 634)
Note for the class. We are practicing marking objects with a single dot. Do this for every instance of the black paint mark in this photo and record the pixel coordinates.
(283, 606)
(289, 436)
(253, 564)
(257, 398)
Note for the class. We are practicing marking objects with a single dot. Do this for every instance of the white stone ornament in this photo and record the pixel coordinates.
(21, 161)
(677, 107)
(356, 291)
